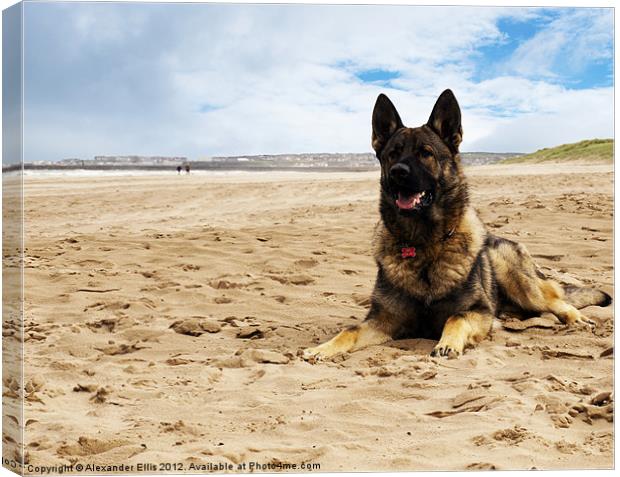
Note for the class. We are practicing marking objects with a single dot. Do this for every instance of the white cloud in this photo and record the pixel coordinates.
(275, 79)
(573, 40)
(559, 116)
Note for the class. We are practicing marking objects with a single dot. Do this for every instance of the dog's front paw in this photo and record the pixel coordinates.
(312, 355)
(323, 352)
(448, 348)
(585, 323)
(576, 319)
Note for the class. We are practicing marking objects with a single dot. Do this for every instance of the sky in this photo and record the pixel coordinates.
(210, 80)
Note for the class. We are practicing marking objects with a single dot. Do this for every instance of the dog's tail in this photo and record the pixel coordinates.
(580, 297)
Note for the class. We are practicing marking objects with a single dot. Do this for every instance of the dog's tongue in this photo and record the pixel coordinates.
(408, 201)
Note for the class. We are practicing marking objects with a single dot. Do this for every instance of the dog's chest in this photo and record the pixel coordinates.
(426, 277)
(436, 269)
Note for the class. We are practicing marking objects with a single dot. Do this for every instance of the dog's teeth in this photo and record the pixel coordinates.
(422, 194)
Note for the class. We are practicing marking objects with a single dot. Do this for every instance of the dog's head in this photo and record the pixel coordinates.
(417, 163)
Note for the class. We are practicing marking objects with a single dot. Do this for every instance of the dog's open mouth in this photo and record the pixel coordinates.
(413, 201)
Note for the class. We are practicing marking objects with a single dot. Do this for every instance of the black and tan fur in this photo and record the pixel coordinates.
(461, 276)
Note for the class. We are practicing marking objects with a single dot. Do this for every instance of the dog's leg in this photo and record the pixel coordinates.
(377, 328)
(463, 330)
(518, 278)
(349, 339)
(543, 295)
(553, 301)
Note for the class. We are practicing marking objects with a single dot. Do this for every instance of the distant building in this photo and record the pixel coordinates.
(142, 160)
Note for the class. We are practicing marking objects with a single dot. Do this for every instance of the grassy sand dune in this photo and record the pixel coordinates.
(590, 150)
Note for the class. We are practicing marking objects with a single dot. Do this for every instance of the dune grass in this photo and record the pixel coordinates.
(590, 150)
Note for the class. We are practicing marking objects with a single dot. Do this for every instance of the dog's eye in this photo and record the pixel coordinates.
(426, 152)
(395, 153)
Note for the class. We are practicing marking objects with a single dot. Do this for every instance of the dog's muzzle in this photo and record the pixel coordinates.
(407, 196)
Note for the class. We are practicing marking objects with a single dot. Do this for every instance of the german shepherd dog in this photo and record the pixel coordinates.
(441, 274)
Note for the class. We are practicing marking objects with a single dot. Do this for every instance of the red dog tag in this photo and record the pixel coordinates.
(408, 252)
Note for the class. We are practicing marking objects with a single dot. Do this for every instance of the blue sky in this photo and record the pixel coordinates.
(203, 80)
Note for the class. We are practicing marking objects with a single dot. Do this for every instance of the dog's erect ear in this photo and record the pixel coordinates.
(445, 120)
(385, 122)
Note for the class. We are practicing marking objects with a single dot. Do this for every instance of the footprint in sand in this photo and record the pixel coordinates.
(100, 450)
(112, 306)
(251, 358)
(558, 410)
(475, 400)
(481, 466)
(601, 441)
(105, 324)
(250, 333)
(299, 279)
(565, 447)
(85, 388)
(225, 284)
(101, 396)
(513, 435)
(178, 427)
(188, 267)
(510, 436)
(222, 300)
(167, 284)
(119, 349)
(601, 406)
(195, 326)
(32, 389)
(306, 263)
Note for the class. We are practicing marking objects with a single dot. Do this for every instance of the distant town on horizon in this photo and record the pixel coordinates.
(303, 161)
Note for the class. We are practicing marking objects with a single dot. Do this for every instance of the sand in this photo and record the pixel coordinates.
(164, 315)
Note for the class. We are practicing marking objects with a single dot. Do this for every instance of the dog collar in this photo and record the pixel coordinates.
(407, 252)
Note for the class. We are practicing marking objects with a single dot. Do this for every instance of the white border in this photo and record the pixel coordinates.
(532, 3)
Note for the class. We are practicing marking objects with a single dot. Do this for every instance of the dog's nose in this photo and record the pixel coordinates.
(399, 171)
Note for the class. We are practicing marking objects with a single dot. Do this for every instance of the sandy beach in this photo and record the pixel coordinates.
(164, 315)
